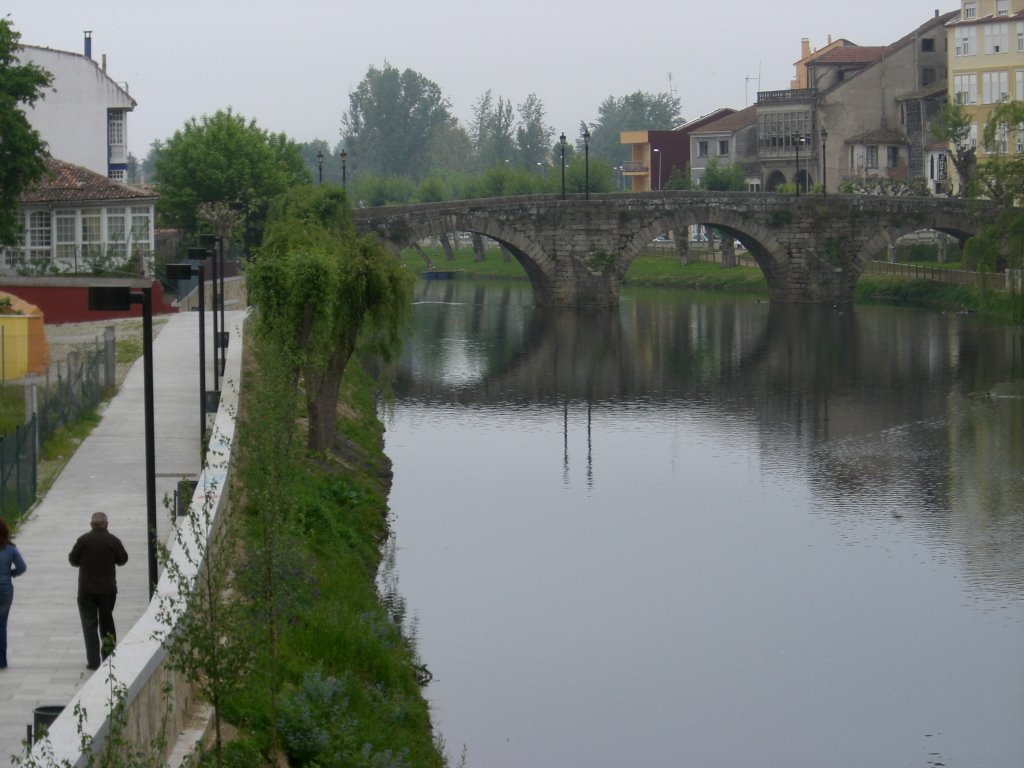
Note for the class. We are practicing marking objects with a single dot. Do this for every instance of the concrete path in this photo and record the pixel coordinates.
(46, 653)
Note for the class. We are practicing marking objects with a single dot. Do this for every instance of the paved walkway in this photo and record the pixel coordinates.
(46, 652)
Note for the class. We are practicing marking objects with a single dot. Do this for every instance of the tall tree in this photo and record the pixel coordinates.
(391, 122)
(533, 136)
(451, 148)
(639, 111)
(22, 150)
(224, 158)
(498, 144)
(953, 128)
(320, 289)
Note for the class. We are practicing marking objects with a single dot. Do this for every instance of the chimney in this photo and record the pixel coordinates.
(88, 43)
(103, 62)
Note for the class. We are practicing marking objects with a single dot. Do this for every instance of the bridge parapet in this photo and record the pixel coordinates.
(576, 251)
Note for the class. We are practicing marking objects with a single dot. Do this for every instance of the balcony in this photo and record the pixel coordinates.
(787, 96)
(634, 167)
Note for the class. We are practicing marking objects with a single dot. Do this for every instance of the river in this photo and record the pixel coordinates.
(703, 530)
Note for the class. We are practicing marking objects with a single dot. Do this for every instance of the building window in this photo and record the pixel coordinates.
(1019, 84)
(970, 10)
(997, 38)
(1002, 7)
(141, 233)
(119, 175)
(116, 247)
(723, 147)
(115, 136)
(995, 87)
(892, 157)
(39, 236)
(1020, 138)
(927, 75)
(66, 241)
(965, 89)
(927, 44)
(702, 149)
(92, 238)
(967, 42)
(1020, 37)
(871, 157)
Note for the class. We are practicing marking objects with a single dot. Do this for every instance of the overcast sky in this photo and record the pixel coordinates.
(291, 65)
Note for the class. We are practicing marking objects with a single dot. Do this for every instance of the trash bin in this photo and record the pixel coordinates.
(42, 718)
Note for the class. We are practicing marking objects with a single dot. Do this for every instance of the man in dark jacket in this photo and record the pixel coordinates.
(96, 555)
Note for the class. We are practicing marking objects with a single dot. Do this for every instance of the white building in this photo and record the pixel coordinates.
(83, 118)
(74, 220)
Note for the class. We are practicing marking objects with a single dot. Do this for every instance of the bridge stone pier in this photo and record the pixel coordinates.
(812, 248)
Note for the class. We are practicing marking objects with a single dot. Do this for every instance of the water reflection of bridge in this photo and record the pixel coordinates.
(796, 373)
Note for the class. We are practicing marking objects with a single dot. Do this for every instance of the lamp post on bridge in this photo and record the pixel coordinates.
(344, 159)
(586, 163)
(119, 299)
(658, 151)
(824, 167)
(320, 166)
(561, 146)
(797, 139)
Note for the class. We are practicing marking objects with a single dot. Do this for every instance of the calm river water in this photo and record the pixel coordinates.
(706, 531)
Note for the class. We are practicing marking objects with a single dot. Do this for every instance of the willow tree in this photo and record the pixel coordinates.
(320, 291)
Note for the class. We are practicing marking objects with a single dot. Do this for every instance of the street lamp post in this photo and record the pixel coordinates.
(184, 272)
(797, 141)
(344, 159)
(824, 167)
(215, 244)
(320, 166)
(586, 163)
(561, 146)
(658, 152)
(119, 299)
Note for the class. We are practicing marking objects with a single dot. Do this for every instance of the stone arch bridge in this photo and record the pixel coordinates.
(812, 248)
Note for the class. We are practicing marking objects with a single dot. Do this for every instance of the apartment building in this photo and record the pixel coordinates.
(986, 65)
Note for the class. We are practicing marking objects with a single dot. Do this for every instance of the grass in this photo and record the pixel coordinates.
(350, 683)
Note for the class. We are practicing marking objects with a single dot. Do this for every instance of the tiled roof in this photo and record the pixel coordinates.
(854, 54)
(730, 123)
(704, 119)
(67, 183)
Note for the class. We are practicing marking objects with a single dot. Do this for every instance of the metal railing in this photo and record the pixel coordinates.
(56, 399)
(18, 459)
(995, 281)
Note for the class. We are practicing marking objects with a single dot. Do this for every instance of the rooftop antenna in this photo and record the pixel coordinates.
(746, 82)
(671, 88)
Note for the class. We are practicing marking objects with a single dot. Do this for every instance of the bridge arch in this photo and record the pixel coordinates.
(576, 251)
(877, 246)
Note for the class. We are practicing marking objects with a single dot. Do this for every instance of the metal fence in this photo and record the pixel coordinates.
(18, 470)
(994, 281)
(58, 398)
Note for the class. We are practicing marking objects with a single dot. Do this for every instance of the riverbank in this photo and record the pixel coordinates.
(657, 270)
(328, 679)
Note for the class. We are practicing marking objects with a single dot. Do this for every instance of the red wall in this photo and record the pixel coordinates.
(70, 304)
